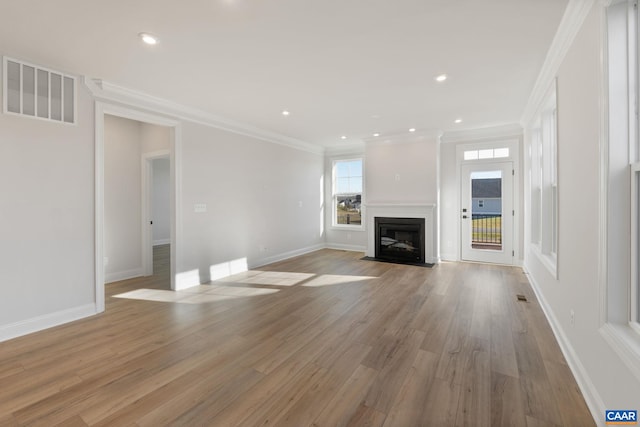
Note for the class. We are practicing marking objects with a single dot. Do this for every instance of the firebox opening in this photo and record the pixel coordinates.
(400, 239)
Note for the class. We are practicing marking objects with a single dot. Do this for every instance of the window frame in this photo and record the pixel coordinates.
(543, 157)
(334, 195)
(619, 211)
(634, 288)
(634, 167)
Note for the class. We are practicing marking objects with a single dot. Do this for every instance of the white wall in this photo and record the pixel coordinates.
(449, 201)
(160, 203)
(122, 198)
(154, 137)
(46, 220)
(607, 382)
(263, 200)
(402, 171)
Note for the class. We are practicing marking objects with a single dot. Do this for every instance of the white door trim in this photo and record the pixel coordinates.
(175, 152)
(506, 254)
(514, 145)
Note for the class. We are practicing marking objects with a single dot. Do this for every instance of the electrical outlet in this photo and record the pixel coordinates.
(106, 261)
(397, 177)
(573, 317)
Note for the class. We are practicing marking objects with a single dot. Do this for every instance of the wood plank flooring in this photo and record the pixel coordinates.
(325, 339)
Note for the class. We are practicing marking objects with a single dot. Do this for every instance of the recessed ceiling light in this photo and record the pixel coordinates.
(148, 38)
(440, 78)
(458, 121)
(376, 134)
(343, 137)
(412, 130)
(285, 113)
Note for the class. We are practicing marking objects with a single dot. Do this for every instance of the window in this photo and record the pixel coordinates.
(347, 193)
(619, 183)
(544, 183)
(491, 153)
(535, 178)
(33, 91)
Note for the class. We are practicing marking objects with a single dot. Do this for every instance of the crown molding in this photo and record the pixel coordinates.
(513, 130)
(339, 150)
(105, 91)
(572, 20)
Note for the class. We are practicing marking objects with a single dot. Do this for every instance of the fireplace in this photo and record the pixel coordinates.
(400, 239)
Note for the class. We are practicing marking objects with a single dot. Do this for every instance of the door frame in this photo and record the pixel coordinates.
(485, 256)
(175, 153)
(514, 144)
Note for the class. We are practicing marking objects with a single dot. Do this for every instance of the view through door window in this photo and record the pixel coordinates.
(486, 211)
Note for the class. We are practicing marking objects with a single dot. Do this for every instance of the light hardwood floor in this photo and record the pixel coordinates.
(325, 339)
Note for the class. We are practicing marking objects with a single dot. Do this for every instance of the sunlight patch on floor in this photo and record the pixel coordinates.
(334, 279)
(277, 278)
(199, 295)
(241, 285)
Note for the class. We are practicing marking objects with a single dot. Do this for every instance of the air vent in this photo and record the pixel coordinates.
(33, 91)
(521, 298)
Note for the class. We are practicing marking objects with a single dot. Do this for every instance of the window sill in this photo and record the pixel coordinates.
(625, 341)
(347, 227)
(549, 261)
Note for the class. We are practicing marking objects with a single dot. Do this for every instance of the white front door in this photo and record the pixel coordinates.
(487, 214)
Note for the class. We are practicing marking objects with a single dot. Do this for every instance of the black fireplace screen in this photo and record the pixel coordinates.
(400, 239)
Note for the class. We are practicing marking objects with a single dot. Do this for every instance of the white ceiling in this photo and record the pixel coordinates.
(341, 67)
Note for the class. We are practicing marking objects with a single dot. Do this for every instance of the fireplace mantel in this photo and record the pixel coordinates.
(404, 210)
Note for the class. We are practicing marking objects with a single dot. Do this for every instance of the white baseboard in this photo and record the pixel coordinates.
(285, 255)
(123, 275)
(591, 396)
(46, 321)
(341, 247)
(161, 242)
(449, 257)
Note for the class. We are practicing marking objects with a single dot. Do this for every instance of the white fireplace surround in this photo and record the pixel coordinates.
(397, 210)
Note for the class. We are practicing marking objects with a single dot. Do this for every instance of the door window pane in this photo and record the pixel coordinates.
(486, 211)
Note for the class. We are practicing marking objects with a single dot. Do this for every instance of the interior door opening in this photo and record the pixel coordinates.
(138, 200)
(157, 215)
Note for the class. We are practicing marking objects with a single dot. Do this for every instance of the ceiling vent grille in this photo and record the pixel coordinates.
(33, 91)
